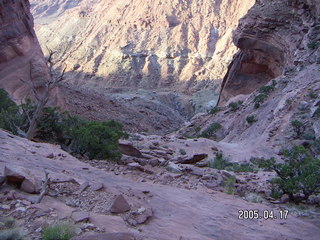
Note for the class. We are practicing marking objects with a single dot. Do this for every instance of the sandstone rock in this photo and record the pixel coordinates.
(154, 162)
(83, 187)
(31, 185)
(14, 175)
(193, 158)
(127, 148)
(120, 205)
(135, 166)
(172, 167)
(96, 186)
(139, 216)
(303, 106)
(107, 236)
(80, 216)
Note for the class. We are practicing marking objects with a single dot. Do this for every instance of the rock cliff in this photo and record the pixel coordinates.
(20, 54)
(108, 44)
(274, 37)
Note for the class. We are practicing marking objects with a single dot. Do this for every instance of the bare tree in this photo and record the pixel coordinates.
(42, 99)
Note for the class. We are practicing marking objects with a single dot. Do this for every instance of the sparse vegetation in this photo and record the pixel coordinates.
(264, 93)
(182, 152)
(234, 106)
(61, 231)
(313, 45)
(11, 234)
(313, 95)
(221, 163)
(210, 132)
(251, 119)
(229, 185)
(298, 128)
(214, 110)
(95, 139)
(8, 230)
(298, 176)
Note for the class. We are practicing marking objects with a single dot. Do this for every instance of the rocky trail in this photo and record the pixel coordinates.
(157, 211)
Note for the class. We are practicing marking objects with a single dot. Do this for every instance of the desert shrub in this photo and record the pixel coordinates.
(298, 176)
(98, 140)
(259, 99)
(229, 185)
(182, 152)
(234, 106)
(219, 162)
(214, 110)
(211, 130)
(251, 119)
(313, 95)
(62, 231)
(313, 45)
(9, 222)
(264, 93)
(11, 234)
(298, 128)
(242, 167)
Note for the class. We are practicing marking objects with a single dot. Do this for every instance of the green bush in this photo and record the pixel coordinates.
(251, 119)
(298, 176)
(259, 99)
(214, 110)
(210, 132)
(313, 95)
(219, 162)
(11, 234)
(298, 128)
(234, 106)
(314, 45)
(96, 139)
(229, 185)
(62, 231)
(242, 167)
(182, 152)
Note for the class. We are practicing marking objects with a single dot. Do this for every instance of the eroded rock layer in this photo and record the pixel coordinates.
(272, 39)
(112, 44)
(20, 54)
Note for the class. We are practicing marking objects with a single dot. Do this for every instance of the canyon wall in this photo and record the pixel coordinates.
(273, 38)
(20, 53)
(118, 45)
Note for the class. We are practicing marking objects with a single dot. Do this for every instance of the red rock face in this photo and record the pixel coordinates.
(272, 38)
(20, 54)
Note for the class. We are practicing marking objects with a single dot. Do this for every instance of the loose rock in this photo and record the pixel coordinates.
(120, 205)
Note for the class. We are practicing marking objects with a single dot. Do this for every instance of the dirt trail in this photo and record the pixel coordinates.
(177, 213)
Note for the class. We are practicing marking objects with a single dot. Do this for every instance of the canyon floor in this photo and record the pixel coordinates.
(163, 205)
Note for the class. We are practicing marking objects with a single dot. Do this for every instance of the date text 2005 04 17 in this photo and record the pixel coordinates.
(266, 214)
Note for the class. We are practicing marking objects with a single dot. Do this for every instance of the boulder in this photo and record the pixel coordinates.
(31, 185)
(120, 205)
(135, 166)
(193, 158)
(80, 216)
(96, 186)
(172, 167)
(107, 236)
(127, 148)
(14, 175)
(139, 216)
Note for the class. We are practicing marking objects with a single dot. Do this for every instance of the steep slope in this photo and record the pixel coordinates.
(177, 213)
(278, 40)
(111, 45)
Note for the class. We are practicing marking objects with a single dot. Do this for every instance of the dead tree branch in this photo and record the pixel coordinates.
(44, 187)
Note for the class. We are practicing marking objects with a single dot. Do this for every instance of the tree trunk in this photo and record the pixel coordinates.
(36, 116)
